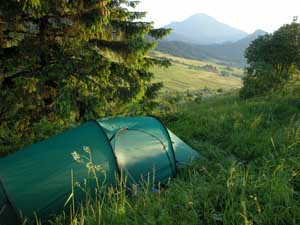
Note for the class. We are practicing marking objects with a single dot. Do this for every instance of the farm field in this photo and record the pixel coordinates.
(193, 75)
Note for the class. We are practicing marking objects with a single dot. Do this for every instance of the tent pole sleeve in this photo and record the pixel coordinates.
(172, 149)
(111, 148)
(115, 134)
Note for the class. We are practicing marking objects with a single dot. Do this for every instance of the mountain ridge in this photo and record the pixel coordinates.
(209, 31)
(229, 52)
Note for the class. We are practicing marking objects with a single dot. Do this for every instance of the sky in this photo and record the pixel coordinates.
(247, 15)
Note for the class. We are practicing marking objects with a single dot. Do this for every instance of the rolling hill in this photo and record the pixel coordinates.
(231, 53)
(196, 75)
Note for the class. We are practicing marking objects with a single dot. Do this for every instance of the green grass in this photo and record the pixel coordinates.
(183, 75)
(249, 172)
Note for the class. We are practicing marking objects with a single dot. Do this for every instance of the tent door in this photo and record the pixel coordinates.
(141, 156)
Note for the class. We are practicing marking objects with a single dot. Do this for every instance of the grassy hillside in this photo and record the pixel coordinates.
(230, 52)
(249, 172)
(187, 74)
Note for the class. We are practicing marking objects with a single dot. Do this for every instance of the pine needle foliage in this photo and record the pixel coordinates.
(65, 61)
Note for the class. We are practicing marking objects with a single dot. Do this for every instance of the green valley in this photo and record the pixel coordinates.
(194, 75)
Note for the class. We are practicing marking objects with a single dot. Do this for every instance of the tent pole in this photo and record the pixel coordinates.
(174, 157)
(111, 148)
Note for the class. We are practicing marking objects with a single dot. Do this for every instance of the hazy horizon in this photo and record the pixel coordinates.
(244, 15)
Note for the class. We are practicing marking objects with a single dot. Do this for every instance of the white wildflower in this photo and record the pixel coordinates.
(77, 184)
(90, 166)
(87, 149)
(76, 156)
(99, 168)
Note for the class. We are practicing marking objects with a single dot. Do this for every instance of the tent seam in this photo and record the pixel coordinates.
(124, 168)
(165, 128)
(111, 148)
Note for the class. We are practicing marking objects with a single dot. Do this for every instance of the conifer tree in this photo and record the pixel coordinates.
(65, 61)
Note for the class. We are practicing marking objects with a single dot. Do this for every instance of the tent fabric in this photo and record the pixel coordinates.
(184, 153)
(129, 137)
(37, 179)
(7, 212)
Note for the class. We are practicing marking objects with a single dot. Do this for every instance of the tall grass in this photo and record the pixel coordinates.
(249, 172)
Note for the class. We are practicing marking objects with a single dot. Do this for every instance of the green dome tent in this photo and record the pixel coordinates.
(37, 178)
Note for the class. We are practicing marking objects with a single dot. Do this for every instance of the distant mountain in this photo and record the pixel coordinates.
(203, 29)
(232, 52)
